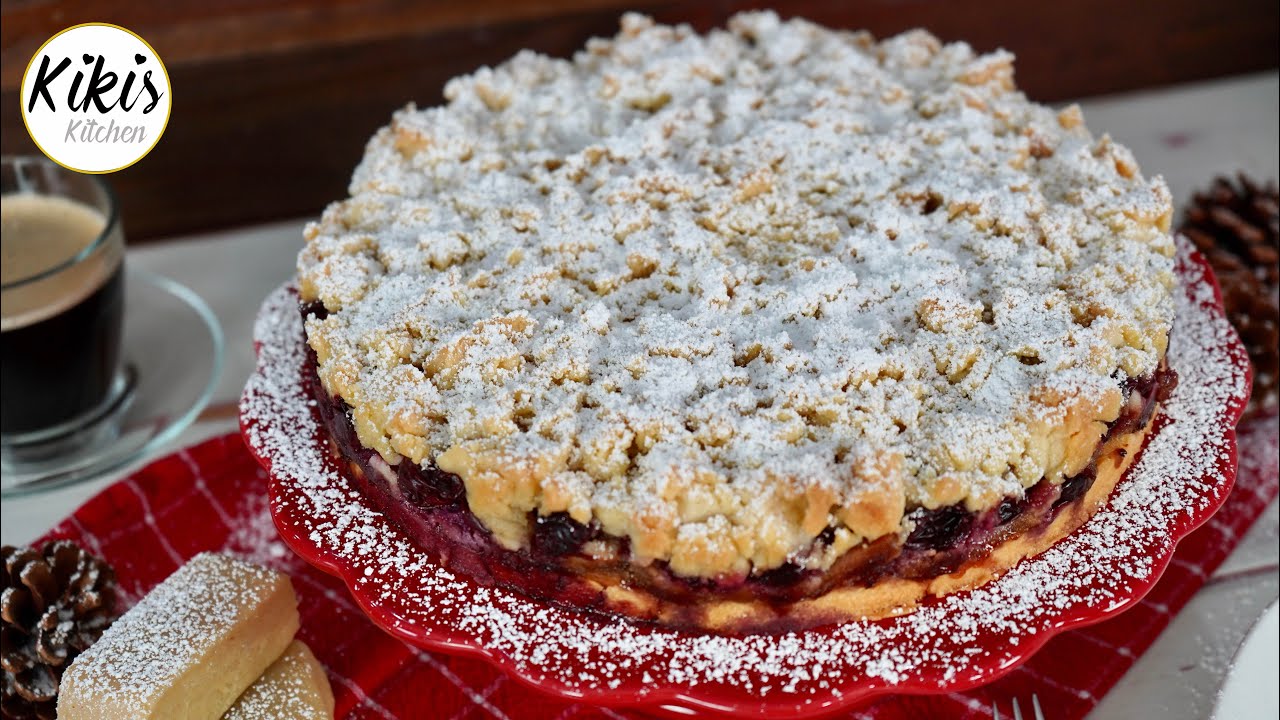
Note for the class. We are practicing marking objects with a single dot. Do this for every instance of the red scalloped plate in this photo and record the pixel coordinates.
(948, 644)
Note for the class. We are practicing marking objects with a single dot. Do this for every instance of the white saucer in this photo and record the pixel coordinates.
(1250, 690)
(173, 347)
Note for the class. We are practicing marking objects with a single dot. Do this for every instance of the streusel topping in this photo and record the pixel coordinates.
(718, 293)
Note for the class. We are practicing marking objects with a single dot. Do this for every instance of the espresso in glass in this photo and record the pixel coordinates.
(63, 299)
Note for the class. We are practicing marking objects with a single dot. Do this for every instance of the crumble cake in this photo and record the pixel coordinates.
(773, 322)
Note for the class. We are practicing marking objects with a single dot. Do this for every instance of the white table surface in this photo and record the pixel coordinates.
(1187, 134)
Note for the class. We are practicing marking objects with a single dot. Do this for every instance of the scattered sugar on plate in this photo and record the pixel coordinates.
(1178, 476)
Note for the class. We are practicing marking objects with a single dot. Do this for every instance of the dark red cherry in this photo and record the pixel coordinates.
(1007, 510)
(785, 575)
(427, 487)
(558, 534)
(1074, 487)
(315, 308)
(940, 529)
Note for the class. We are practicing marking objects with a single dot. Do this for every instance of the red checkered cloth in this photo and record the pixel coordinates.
(213, 497)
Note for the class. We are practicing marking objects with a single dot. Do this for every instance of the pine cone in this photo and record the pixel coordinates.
(1237, 227)
(56, 602)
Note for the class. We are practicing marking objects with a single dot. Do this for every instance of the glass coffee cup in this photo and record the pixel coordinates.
(62, 309)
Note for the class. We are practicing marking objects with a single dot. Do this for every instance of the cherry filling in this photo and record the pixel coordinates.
(1074, 488)
(558, 534)
(426, 488)
(1007, 510)
(940, 529)
(432, 506)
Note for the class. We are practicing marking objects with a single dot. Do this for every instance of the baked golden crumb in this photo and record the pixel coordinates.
(739, 302)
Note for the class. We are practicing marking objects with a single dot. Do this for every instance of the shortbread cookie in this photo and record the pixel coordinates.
(293, 688)
(188, 649)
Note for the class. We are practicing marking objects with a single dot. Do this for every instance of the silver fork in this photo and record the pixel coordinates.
(1017, 711)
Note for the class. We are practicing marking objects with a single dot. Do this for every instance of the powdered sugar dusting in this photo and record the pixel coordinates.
(289, 689)
(902, 281)
(1182, 473)
(256, 539)
(173, 628)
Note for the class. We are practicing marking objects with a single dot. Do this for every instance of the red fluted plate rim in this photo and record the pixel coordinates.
(947, 645)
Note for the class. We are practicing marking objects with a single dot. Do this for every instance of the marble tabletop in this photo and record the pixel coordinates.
(1187, 133)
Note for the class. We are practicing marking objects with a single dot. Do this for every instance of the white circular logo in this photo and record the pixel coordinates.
(95, 98)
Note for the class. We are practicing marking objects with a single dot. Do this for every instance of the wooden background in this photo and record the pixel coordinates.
(274, 99)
